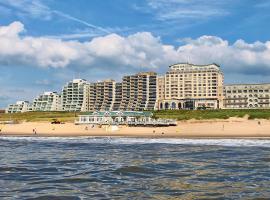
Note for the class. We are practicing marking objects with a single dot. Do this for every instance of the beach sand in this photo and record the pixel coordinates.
(233, 127)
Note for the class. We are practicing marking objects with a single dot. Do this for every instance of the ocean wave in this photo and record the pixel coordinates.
(125, 140)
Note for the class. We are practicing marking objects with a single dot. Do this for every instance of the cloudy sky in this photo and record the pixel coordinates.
(45, 43)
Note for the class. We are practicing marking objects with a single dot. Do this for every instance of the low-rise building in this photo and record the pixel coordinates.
(243, 96)
(48, 101)
(19, 107)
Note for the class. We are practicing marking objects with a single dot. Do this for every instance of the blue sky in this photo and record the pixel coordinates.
(44, 43)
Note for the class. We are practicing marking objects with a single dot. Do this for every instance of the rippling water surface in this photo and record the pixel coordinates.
(129, 168)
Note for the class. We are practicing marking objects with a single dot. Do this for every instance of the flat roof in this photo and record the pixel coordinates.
(120, 113)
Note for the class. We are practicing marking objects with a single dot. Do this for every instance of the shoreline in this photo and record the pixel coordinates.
(231, 128)
(135, 136)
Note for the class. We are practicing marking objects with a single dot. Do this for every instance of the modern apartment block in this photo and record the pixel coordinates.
(48, 101)
(189, 86)
(139, 92)
(18, 107)
(247, 96)
(117, 96)
(75, 96)
(102, 95)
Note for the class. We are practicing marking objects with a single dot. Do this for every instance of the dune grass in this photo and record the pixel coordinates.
(40, 116)
(212, 114)
(170, 114)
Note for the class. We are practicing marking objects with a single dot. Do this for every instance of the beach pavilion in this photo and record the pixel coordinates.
(115, 117)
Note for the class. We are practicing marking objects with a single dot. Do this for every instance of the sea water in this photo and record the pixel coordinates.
(133, 168)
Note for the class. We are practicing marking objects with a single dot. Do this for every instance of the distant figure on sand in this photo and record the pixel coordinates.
(34, 131)
(86, 128)
(259, 123)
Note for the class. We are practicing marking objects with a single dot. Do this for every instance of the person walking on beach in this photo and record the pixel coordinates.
(34, 131)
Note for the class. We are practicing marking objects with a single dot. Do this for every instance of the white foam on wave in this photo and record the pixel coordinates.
(123, 140)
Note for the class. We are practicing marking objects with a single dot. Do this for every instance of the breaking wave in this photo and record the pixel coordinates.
(126, 140)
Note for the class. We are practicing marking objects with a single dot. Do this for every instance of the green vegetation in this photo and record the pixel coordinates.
(40, 116)
(212, 114)
(170, 114)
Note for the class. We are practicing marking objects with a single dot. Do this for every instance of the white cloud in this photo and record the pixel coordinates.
(186, 9)
(137, 51)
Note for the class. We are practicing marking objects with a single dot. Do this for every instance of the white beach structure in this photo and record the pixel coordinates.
(130, 118)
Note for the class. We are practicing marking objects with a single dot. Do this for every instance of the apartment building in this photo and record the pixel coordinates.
(161, 88)
(48, 101)
(102, 95)
(19, 107)
(139, 92)
(189, 86)
(117, 96)
(75, 96)
(245, 96)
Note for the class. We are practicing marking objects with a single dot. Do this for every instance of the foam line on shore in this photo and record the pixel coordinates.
(124, 140)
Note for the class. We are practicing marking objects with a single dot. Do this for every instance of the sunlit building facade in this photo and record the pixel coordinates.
(19, 107)
(139, 92)
(188, 86)
(75, 96)
(247, 96)
(48, 101)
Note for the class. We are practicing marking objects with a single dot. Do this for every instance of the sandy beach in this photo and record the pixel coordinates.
(233, 127)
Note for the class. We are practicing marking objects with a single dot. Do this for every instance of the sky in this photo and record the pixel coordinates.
(45, 43)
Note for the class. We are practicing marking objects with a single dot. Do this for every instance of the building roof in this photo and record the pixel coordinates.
(194, 65)
(246, 84)
(121, 113)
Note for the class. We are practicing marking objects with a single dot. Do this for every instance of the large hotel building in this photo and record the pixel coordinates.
(188, 86)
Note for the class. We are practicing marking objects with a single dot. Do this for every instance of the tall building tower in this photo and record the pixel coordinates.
(189, 86)
(102, 95)
(118, 96)
(75, 96)
(139, 91)
(48, 101)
